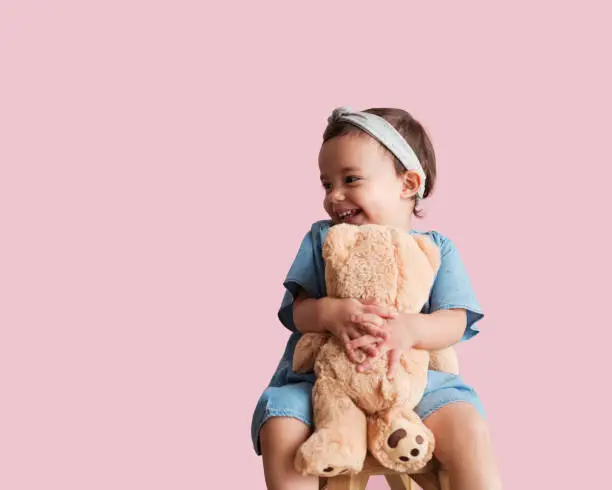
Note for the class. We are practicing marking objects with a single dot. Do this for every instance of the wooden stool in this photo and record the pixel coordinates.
(432, 477)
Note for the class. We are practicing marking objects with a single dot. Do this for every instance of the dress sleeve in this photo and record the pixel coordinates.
(452, 288)
(306, 273)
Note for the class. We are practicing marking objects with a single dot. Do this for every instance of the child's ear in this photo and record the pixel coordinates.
(411, 181)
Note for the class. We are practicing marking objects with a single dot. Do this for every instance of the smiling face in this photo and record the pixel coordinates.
(361, 183)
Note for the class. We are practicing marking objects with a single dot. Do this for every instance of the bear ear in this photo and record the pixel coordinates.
(431, 250)
(417, 267)
(339, 241)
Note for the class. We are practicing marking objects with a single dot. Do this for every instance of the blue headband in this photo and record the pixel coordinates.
(387, 135)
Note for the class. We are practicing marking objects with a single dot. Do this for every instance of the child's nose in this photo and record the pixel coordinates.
(337, 195)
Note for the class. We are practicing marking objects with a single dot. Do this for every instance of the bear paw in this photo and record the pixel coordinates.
(407, 446)
(320, 457)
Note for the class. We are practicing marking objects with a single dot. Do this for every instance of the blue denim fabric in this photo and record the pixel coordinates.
(289, 393)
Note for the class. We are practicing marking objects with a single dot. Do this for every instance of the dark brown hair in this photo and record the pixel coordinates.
(411, 130)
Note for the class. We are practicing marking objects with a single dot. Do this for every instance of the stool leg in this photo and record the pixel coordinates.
(352, 482)
(429, 481)
(444, 480)
(399, 482)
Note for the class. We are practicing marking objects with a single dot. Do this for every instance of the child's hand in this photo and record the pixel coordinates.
(349, 319)
(401, 337)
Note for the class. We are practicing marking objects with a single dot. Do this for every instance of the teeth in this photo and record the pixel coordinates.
(346, 214)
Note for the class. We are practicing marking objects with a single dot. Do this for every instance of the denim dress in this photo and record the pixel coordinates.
(288, 393)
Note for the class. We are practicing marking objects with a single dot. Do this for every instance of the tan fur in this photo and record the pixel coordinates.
(353, 411)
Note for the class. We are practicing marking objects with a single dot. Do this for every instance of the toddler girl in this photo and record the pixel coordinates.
(376, 166)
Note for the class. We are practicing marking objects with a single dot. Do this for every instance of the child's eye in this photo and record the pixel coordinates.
(351, 179)
(326, 185)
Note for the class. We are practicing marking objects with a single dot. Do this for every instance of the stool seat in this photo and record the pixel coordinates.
(431, 477)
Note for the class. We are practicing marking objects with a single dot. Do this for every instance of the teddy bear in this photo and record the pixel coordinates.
(359, 411)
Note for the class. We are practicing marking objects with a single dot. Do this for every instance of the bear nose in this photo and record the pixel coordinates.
(396, 437)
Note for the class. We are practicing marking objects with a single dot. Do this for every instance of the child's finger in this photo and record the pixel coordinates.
(352, 355)
(374, 331)
(364, 340)
(369, 318)
(370, 350)
(394, 360)
(346, 340)
(382, 311)
(361, 318)
(365, 365)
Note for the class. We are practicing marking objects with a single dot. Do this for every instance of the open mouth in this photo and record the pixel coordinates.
(348, 216)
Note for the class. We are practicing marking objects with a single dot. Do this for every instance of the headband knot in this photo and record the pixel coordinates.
(337, 114)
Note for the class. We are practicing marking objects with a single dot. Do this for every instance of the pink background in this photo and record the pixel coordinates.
(158, 171)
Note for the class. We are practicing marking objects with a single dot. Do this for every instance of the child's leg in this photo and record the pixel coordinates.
(282, 421)
(280, 438)
(463, 446)
(453, 412)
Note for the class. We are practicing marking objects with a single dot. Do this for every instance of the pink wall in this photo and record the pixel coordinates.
(158, 170)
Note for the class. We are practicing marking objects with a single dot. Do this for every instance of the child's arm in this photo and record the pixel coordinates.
(334, 315)
(308, 313)
(427, 331)
(433, 331)
(346, 319)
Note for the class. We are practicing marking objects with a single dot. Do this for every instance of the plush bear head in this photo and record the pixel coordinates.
(380, 265)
